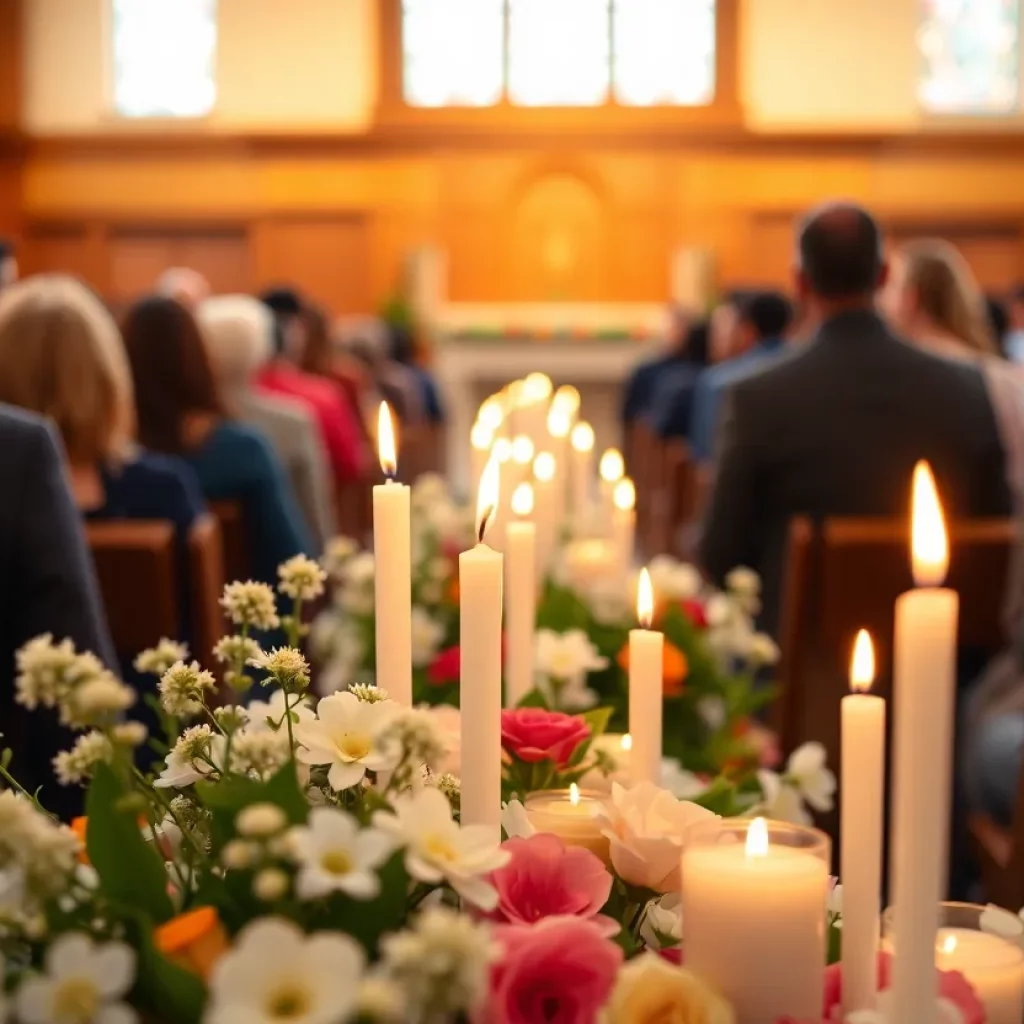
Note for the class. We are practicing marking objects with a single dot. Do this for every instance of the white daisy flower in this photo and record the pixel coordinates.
(83, 983)
(563, 660)
(350, 736)
(336, 855)
(196, 754)
(438, 850)
(808, 771)
(275, 973)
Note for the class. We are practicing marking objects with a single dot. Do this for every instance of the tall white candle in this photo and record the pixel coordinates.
(610, 469)
(582, 469)
(754, 919)
(545, 509)
(559, 425)
(646, 657)
(520, 596)
(480, 583)
(537, 390)
(481, 437)
(863, 776)
(392, 549)
(501, 455)
(624, 524)
(924, 684)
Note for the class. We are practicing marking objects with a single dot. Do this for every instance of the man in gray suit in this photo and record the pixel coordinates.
(835, 428)
(47, 585)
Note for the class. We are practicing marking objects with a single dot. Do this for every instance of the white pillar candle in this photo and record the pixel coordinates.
(993, 965)
(392, 549)
(559, 426)
(754, 917)
(582, 469)
(646, 656)
(545, 509)
(537, 390)
(863, 784)
(624, 524)
(924, 685)
(610, 469)
(520, 596)
(480, 583)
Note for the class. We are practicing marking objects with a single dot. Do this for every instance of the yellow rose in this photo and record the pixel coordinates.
(650, 990)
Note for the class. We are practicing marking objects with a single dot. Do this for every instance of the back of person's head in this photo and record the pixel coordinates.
(840, 249)
(695, 347)
(282, 301)
(238, 331)
(184, 285)
(8, 263)
(61, 356)
(939, 285)
(170, 369)
(317, 350)
(767, 314)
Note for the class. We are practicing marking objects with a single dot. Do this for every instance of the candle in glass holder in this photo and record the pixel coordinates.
(570, 815)
(624, 523)
(863, 794)
(480, 583)
(392, 549)
(754, 916)
(582, 439)
(924, 691)
(646, 669)
(520, 596)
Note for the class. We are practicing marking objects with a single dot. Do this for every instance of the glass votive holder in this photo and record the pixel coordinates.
(983, 944)
(754, 895)
(570, 814)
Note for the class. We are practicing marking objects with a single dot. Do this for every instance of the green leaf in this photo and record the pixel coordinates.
(835, 943)
(720, 798)
(131, 871)
(597, 719)
(168, 991)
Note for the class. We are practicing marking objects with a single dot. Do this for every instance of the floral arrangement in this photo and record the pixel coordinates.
(292, 861)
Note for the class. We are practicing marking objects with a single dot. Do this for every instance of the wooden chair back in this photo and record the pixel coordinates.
(680, 502)
(234, 539)
(135, 563)
(644, 457)
(206, 572)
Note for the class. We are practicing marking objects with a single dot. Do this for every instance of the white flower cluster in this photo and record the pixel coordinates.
(259, 752)
(337, 552)
(236, 650)
(55, 675)
(199, 752)
(76, 765)
(250, 604)
(157, 660)
(183, 689)
(301, 578)
(419, 734)
(369, 693)
(562, 662)
(286, 666)
(806, 780)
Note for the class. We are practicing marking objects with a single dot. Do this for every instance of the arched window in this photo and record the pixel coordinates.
(970, 54)
(164, 54)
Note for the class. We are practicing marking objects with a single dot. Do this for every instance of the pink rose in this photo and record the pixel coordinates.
(545, 878)
(560, 970)
(952, 986)
(533, 734)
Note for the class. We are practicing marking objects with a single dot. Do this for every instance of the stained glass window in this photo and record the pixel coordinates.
(558, 53)
(970, 51)
(164, 57)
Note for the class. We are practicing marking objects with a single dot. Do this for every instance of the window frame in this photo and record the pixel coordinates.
(724, 110)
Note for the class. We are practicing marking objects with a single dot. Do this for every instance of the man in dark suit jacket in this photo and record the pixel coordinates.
(835, 428)
(47, 585)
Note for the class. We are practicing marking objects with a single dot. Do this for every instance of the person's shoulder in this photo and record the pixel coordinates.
(246, 448)
(25, 428)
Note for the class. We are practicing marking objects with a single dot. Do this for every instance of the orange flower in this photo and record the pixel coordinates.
(194, 941)
(79, 826)
(673, 672)
(454, 591)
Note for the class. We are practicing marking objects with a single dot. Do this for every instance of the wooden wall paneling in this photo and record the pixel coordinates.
(11, 45)
(327, 256)
(76, 248)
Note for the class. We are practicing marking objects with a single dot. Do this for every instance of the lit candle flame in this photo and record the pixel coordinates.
(568, 398)
(386, 441)
(624, 495)
(522, 450)
(626, 742)
(481, 436)
(537, 387)
(491, 414)
(929, 543)
(502, 450)
(559, 420)
(757, 838)
(487, 497)
(949, 944)
(645, 599)
(612, 465)
(574, 794)
(862, 665)
(522, 500)
(583, 437)
(544, 467)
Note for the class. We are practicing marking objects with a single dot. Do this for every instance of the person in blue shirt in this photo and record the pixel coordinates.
(763, 322)
(639, 390)
(179, 413)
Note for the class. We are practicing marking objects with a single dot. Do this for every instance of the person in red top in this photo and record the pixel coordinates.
(339, 422)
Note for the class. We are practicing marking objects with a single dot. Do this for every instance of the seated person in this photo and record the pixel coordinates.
(758, 339)
(239, 334)
(8, 263)
(639, 389)
(47, 585)
(402, 351)
(180, 413)
(339, 425)
(671, 399)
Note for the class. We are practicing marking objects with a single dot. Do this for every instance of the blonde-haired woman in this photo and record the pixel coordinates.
(61, 355)
(934, 300)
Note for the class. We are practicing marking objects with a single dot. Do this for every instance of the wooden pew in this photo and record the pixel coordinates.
(206, 583)
(234, 539)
